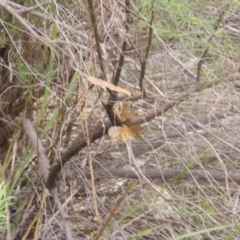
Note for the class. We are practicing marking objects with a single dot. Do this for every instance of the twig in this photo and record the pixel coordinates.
(203, 56)
(129, 11)
(98, 131)
(27, 25)
(44, 169)
(99, 50)
(144, 62)
(169, 52)
(120, 64)
(199, 66)
(38, 147)
(96, 36)
(113, 211)
(94, 197)
(24, 10)
(112, 99)
(159, 112)
(166, 174)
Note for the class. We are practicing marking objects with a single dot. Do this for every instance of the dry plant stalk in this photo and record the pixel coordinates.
(44, 170)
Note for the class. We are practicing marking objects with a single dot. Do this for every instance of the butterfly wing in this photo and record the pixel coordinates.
(127, 134)
(127, 112)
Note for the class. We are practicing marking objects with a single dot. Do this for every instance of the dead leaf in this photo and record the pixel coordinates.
(101, 83)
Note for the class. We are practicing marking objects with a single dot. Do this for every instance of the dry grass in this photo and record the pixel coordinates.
(185, 56)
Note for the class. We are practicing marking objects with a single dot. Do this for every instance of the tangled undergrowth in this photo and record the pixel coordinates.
(169, 167)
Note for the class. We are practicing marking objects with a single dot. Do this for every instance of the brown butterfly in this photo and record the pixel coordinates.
(124, 113)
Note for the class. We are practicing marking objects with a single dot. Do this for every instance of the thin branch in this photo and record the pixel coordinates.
(48, 17)
(166, 174)
(96, 36)
(113, 211)
(120, 64)
(169, 52)
(199, 66)
(144, 62)
(94, 197)
(27, 25)
(129, 11)
(44, 169)
(24, 10)
(38, 147)
(156, 113)
(98, 131)
(99, 50)
(112, 99)
(203, 56)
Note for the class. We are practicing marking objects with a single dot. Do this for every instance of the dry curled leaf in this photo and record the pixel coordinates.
(101, 83)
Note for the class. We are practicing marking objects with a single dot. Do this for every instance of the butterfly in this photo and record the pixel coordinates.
(124, 113)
